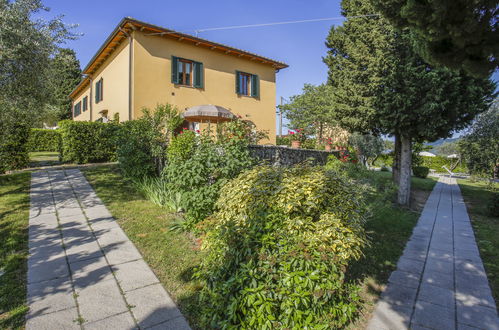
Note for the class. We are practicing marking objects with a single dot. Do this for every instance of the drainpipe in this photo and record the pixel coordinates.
(90, 102)
(130, 73)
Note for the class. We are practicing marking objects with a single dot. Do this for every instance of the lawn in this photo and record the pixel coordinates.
(43, 158)
(14, 214)
(171, 255)
(478, 197)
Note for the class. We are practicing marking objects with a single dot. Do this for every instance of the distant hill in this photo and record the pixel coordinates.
(440, 142)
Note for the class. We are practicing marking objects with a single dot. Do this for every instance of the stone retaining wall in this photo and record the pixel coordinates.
(286, 156)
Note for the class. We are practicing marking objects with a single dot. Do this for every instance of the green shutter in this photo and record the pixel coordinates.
(97, 91)
(101, 91)
(255, 85)
(174, 70)
(198, 75)
(238, 84)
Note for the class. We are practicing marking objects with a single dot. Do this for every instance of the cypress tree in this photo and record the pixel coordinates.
(382, 85)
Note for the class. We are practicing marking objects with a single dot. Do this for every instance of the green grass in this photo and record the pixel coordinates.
(14, 214)
(171, 255)
(478, 196)
(43, 158)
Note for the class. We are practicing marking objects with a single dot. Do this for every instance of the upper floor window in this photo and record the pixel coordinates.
(85, 103)
(77, 109)
(186, 72)
(99, 90)
(247, 84)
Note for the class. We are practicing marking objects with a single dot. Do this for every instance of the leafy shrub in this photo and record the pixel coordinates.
(142, 143)
(200, 177)
(134, 149)
(277, 249)
(85, 142)
(182, 146)
(420, 171)
(44, 140)
(14, 138)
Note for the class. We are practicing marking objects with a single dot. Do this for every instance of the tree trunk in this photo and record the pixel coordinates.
(396, 160)
(404, 192)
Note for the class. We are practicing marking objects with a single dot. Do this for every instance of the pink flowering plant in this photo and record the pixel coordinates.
(297, 135)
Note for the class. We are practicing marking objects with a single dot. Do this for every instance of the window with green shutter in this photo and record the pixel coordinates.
(187, 72)
(247, 84)
(77, 109)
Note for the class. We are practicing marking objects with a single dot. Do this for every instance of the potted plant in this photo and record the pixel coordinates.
(328, 143)
(297, 138)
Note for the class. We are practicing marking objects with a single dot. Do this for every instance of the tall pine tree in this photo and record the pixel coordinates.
(381, 85)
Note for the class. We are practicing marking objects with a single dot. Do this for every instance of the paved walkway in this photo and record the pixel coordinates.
(83, 271)
(440, 282)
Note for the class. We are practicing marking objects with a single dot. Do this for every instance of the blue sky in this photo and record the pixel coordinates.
(299, 45)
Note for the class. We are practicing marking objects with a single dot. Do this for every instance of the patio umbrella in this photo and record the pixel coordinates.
(208, 113)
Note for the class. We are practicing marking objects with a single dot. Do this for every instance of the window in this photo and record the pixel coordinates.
(247, 84)
(77, 109)
(187, 73)
(85, 103)
(99, 90)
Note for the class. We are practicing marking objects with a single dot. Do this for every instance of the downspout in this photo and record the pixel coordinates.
(130, 68)
(90, 104)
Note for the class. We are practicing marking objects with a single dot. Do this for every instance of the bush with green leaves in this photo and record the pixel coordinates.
(86, 142)
(199, 177)
(133, 149)
(13, 146)
(277, 250)
(182, 146)
(44, 140)
(142, 143)
(420, 171)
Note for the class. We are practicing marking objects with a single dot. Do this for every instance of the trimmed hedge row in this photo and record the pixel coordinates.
(13, 146)
(87, 142)
(44, 140)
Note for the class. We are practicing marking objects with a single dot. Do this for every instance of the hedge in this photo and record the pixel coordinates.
(44, 140)
(13, 146)
(86, 142)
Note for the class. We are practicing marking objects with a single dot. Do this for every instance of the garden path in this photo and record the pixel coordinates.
(440, 281)
(83, 271)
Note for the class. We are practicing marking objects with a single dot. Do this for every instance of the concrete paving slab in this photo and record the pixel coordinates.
(133, 275)
(50, 296)
(61, 320)
(178, 323)
(434, 316)
(436, 295)
(151, 305)
(119, 321)
(477, 316)
(90, 271)
(100, 300)
(43, 270)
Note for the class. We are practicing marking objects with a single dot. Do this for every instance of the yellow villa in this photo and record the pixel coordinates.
(141, 65)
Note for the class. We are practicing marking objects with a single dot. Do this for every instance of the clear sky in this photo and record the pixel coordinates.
(299, 45)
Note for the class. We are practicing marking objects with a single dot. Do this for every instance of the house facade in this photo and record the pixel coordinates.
(141, 65)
